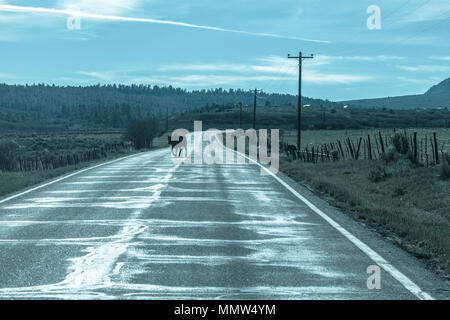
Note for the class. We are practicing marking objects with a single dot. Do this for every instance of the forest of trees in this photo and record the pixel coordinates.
(115, 106)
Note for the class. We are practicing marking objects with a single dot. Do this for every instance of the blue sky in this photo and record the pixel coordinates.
(229, 44)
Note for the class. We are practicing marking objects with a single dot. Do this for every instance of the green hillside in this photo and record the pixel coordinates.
(437, 96)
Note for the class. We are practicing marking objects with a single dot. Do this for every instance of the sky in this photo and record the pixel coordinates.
(244, 44)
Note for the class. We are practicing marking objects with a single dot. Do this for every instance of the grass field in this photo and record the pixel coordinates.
(11, 182)
(14, 181)
(318, 137)
(314, 118)
(407, 203)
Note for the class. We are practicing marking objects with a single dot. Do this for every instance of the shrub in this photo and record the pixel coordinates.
(142, 133)
(399, 192)
(445, 166)
(400, 143)
(412, 159)
(391, 155)
(8, 154)
(335, 155)
(378, 174)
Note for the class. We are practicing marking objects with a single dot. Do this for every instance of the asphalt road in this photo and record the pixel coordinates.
(143, 227)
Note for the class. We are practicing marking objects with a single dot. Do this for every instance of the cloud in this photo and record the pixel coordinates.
(7, 76)
(201, 80)
(269, 64)
(105, 76)
(363, 58)
(203, 67)
(109, 7)
(269, 68)
(186, 80)
(321, 60)
(424, 68)
(426, 81)
(231, 79)
(106, 17)
(277, 64)
(330, 78)
(444, 58)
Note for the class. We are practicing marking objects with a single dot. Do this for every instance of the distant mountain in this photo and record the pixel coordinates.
(437, 96)
(441, 88)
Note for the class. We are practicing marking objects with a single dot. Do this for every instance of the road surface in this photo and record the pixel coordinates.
(143, 227)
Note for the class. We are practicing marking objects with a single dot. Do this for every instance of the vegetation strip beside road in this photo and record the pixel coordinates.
(408, 204)
(13, 181)
(404, 200)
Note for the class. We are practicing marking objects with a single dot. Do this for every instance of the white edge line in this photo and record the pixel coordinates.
(379, 260)
(63, 178)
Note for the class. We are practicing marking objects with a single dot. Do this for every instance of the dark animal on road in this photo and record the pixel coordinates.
(177, 145)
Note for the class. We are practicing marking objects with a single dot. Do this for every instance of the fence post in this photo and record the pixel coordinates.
(381, 142)
(415, 146)
(369, 147)
(436, 151)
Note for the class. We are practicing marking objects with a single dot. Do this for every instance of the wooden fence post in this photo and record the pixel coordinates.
(381, 141)
(436, 151)
(369, 147)
(415, 146)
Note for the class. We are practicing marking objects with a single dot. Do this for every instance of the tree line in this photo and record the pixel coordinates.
(117, 106)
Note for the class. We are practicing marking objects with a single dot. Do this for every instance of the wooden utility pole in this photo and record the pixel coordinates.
(299, 120)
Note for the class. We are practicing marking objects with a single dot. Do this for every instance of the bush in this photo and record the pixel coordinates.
(335, 155)
(399, 192)
(412, 159)
(400, 143)
(8, 154)
(142, 133)
(391, 155)
(378, 174)
(445, 166)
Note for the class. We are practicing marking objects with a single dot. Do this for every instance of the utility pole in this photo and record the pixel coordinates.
(254, 109)
(299, 121)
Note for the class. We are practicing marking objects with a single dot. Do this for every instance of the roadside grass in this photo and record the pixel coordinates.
(314, 118)
(408, 204)
(11, 182)
(14, 181)
(318, 137)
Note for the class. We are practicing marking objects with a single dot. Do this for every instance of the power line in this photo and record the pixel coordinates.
(357, 36)
(397, 9)
(428, 27)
